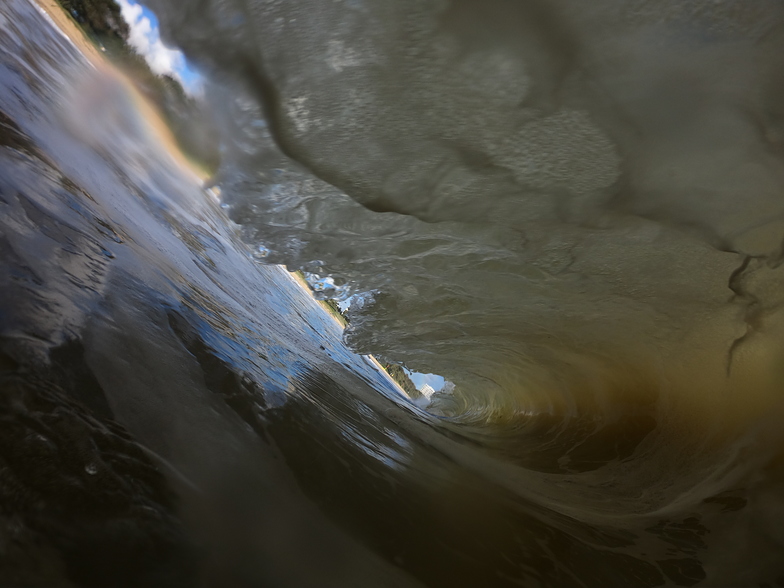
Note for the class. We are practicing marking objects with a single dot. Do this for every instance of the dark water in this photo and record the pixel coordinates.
(176, 414)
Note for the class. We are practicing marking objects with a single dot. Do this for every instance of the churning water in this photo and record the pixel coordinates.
(573, 211)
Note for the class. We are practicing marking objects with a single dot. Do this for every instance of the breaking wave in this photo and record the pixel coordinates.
(555, 203)
(572, 211)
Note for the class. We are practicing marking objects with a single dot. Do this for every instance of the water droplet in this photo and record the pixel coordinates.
(91, 469)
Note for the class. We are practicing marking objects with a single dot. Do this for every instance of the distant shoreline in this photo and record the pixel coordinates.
(71, 30)
(68, 27)
(77, 36)
(304, 285)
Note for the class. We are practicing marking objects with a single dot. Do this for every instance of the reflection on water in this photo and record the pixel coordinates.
(585, 240)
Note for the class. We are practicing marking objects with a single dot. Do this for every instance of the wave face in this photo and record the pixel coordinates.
(571, 210)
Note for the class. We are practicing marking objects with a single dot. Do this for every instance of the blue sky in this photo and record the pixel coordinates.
(145, 38)
(435, 381)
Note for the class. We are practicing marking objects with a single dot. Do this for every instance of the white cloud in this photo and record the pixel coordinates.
(146, 40)
(433, 380)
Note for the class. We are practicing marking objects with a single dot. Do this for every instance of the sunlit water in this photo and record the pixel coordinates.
(572, 212)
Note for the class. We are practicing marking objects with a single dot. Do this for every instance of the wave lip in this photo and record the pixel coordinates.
(540, 195)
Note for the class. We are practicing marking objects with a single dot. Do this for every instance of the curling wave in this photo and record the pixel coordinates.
(548, 197)
(573, 212)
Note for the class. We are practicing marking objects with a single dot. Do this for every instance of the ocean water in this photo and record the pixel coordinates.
(571, 211)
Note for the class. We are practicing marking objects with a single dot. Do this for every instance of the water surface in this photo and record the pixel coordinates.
(572, 213)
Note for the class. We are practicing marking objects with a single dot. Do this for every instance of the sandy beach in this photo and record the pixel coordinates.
(157, 125)
(70, 29)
